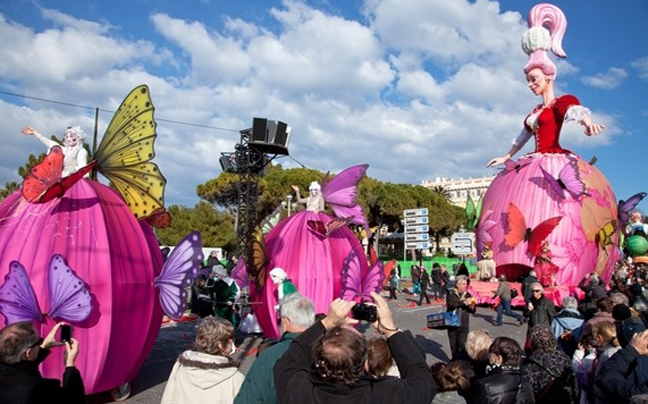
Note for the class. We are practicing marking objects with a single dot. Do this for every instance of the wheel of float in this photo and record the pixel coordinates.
(121, 393)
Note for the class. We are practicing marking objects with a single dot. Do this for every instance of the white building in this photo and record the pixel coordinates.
(459, 189)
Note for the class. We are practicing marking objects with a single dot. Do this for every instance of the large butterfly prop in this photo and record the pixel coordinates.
(256, 266)
(178, 272)
(510, 165)
(341, 194)
(483, 236)
(125, 153)
(240, 275)
(44, 181)
(518, 230)
(69, 296)
(605, 234)
(625, 207)
(357, 281)
(325, 230)
(568, 180)
(473, 212)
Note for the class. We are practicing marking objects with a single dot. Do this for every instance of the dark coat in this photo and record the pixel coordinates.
(425, 279)
(502, 386)
(454, 303)
(22, 383)
(551, 376)
(297, 382)
(543, 312)
(613, 378)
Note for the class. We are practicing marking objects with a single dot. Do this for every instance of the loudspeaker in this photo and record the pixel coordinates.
(259, 130)
(226, 164)
(281, 135)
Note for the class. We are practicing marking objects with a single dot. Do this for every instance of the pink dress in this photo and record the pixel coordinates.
(575, 242)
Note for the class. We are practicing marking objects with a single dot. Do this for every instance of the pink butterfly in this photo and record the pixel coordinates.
(483, 236)
(358, 281)
(70, 298)
(341, 194)
(568, 180)
(626, 207)
(178, 272)
(324, 230)
(510, 165)
(240, 275)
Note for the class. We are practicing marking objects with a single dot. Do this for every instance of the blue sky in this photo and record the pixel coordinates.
(416, 88)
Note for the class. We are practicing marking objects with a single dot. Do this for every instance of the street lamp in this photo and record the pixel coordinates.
(288, 204)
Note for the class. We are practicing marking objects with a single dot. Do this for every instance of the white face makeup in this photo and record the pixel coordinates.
(70, 139)
(275, 279)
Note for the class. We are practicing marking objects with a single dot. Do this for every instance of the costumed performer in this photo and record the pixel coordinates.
(544, 268)
(486, 266)
(284, 285)
(311, 246)
(551, 193)
(75, 155)
(224, 292)
(636, 226)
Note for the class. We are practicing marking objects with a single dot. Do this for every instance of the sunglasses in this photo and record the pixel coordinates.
(37, 343)
(537, 290)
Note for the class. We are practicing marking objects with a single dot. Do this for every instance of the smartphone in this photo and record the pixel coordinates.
(66, 333)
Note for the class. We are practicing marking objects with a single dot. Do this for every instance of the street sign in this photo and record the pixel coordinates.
(417, 229)
(416, 220)
(462, 245)
(415, 212)
(417, 245)
(417, 237)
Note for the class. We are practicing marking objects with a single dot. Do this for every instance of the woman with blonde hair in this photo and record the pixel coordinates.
(206, 373)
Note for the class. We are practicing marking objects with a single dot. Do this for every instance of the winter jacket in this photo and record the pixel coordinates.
(612, 379)
(298, 383)
(541, 369)
(448, 397)
(454, 302)
(543, 312)
(202, 378)
(502, 386)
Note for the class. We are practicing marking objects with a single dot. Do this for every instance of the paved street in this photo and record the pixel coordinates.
(174, 338)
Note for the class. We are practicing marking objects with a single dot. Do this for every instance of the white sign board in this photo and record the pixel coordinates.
(415, 212)
(417, 237)
(417, 229)
(416, 220)
(417, 245)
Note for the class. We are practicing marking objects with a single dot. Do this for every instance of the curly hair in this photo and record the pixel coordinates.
(379, 357)
(454, 376)
(339, 355)
(508, 349)
(543, 339)
(477, 344)
(213, 336)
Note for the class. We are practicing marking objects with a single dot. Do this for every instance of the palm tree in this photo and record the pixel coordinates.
(441, 190)
(9, 188)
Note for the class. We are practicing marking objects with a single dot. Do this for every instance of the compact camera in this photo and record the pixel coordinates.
(364, 312)
(66, 333)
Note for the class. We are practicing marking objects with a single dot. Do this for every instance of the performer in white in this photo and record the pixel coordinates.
(75, 154)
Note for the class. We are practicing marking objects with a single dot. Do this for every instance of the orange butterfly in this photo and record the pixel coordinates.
(518, 230)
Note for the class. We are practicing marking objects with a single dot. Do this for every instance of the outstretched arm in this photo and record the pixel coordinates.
(298, 196)
(518, 144)
(28, 130)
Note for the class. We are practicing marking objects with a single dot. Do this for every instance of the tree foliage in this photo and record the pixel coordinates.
(8, 189)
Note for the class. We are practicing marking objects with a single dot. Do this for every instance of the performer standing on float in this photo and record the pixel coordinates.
(551, 194)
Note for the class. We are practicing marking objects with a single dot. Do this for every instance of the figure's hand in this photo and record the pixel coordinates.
(593, 129)
(27, 130)
(50, 340)
(530, 306)
(640, 342)
(295, 188)
(338, 313)
(71, 351)
(496, 161)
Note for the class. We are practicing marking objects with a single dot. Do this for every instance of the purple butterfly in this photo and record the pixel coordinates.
(483, 236)
(626, 207)
(178, 272)
(70, 297)
(240, 275)
(324, 230)
(357, 281)
(568, 180)
(510, 165)
(341, 193)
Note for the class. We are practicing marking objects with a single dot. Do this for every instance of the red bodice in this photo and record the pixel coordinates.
(550, 123)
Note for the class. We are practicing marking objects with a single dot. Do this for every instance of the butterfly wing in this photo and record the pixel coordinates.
(570, 178)
(58, 190)
(317, 227)
(17, 298)
(342, 190)
(43, 175)
(240, 275)
(471, 213)
(270, 221)
(70, 297)
(125, 153)
(516, 227)
(352, 277)
(510, 165)
(178, 272)
(391, 264)
(553, 182)
(373, 281)
(259, 260)
(625, 207)
(604, 235)
(483, 235)
(337, 223)
(540, 233)
(160, 219)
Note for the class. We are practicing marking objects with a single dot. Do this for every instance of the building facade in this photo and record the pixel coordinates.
(459, 189)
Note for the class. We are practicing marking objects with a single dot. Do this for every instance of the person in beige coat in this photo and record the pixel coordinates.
(206, 374)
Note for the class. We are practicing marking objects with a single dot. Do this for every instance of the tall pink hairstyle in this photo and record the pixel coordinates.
(547, 25)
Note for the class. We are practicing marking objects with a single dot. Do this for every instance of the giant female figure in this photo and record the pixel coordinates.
(551, 194)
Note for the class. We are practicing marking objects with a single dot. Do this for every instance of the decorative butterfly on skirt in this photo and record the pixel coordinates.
(178, 272)
(69, 296)
(605, 234)
(626, 207)
(473, 212)
(568, 180)
(357, 281)
(518, 230)
(483, 236)
(160, 219)
(325, 230)
(510, 165)
(258, 262)
(240, 274)
(44, 182)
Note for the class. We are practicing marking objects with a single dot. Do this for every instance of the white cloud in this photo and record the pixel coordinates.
(608, 80)
(642, 67)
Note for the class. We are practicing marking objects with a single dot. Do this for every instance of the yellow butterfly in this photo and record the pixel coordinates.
(605, 234)
(125, 153)
(258, 260)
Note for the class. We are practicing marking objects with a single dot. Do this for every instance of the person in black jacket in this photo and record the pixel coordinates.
(460, 299)
(425, 284)
(327, 362)
(21, 351)
(503, 384)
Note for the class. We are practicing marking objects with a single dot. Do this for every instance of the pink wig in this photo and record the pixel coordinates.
(547, 25)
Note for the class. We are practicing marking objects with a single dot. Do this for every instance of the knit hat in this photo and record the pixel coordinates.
(621, 312)
(219, 270)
